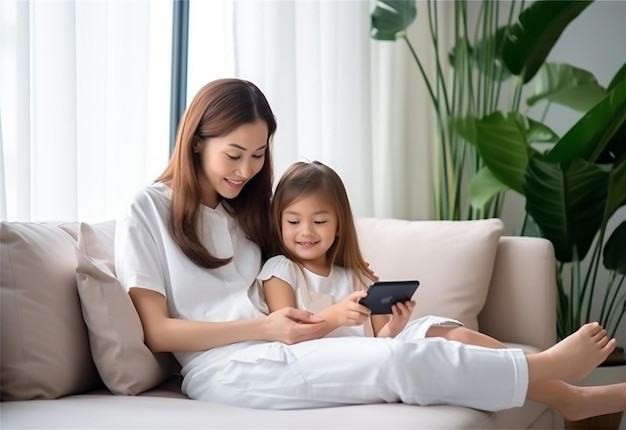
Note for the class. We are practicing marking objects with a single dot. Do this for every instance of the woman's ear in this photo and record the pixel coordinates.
(197, 145)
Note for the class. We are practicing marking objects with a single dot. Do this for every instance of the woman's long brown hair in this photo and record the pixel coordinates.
(302, 179)
(217, 109)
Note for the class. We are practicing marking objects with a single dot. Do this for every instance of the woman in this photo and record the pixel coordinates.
(192, 243)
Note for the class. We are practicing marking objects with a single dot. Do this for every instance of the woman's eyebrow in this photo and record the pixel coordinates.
(235, 145)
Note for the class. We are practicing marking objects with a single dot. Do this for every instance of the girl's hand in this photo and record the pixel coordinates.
(349, 312)
(400, 315)
(291, 325)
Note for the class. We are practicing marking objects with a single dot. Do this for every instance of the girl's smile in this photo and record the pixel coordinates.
(309, 228)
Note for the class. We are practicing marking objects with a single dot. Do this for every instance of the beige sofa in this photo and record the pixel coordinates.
(70, 338)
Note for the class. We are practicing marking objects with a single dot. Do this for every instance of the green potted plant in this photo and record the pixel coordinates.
(503, 146)
(474, 83)
(572, 189)
(572, 185)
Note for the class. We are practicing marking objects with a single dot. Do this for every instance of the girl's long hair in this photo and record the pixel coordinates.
(302, 179)
(217, 109)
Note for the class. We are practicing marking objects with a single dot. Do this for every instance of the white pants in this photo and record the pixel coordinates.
(357, 370)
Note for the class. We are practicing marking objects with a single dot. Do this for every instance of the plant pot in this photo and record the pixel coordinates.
(612, 371)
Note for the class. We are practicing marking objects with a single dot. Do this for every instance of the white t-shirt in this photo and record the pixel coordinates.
(147, 256)
(312, 291)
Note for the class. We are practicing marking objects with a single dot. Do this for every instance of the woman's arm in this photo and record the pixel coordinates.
(163, 333)
(279, 295)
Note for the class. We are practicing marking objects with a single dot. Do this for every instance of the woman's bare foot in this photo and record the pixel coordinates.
(573, 357)
(585, 349)
(594, 401)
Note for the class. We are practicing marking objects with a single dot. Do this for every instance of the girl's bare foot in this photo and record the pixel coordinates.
(593, 401)
(575, 356)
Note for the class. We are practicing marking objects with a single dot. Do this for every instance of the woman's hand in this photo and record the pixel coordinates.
(400, 315)
(290, 325)
(349, 312)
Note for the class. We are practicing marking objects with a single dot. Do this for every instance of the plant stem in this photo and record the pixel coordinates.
(607, 292)
(441, 204)
(615, 303)
(592, 271)
(424, 76)
(562, 317)
(499, 56)
(434, 24)
(576, 290)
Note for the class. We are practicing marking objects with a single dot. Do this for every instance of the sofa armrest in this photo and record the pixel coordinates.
(521, 303)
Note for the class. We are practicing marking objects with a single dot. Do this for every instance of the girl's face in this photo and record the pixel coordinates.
(230, 161)
(309, 228)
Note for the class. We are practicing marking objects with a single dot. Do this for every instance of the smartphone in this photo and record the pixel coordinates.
(381, 295)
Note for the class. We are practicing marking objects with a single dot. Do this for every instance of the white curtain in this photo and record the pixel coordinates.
(338, 96)
(84, 99)
(84, 93)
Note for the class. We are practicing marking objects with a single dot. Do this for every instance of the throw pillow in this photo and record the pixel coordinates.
(453, 260)
(124, 362)
(44, 347)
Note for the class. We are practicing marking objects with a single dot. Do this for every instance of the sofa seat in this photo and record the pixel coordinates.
(159, 408)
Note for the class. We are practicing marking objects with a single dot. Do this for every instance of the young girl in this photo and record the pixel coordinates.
(191, 245)
(320, 267)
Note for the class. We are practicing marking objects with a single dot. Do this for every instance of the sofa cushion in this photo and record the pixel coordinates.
(44, 347)
(453, 260)
(124, 362)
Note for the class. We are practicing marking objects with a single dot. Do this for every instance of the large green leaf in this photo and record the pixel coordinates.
(504, 145)
(566, 201)
(590, 136)
(484, 187)
(539, 27)
(465, 126)
(616, 196)
(391, 18)
(566, 85)
(492, 44)
(616, 148)
(619, 77)
(615, 250)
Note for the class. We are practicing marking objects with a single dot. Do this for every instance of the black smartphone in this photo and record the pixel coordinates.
(381, 295)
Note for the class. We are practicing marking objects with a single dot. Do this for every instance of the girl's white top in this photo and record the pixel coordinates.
(146, 256)
(312, 292)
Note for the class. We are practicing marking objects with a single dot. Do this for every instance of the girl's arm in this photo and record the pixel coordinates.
(163, 333)
(279, 294)
(401, 313)
(378, 322)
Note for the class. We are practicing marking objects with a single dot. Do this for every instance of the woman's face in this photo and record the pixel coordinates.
(230, 161)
